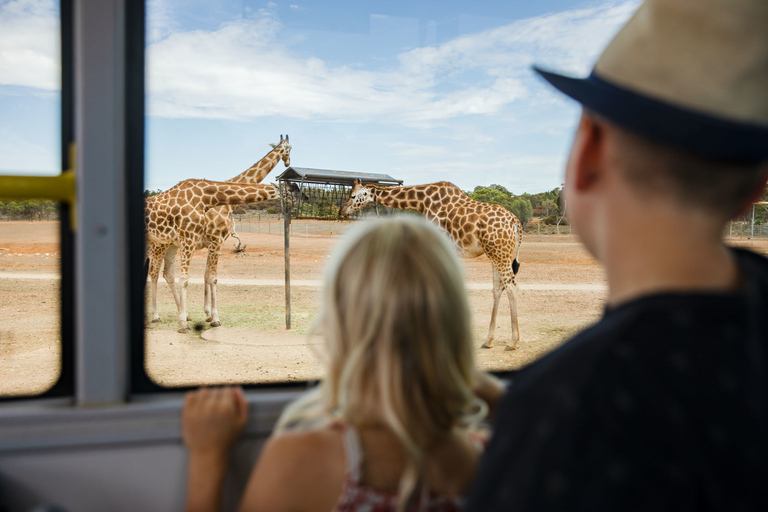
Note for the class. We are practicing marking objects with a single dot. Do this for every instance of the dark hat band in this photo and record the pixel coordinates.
(688, 130)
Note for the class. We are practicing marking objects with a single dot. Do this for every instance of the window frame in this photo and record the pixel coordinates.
(64, 385)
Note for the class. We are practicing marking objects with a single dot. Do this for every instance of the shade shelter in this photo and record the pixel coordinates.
(320, 193)
(308, 193)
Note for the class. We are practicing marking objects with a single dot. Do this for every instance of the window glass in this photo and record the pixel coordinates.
(30, 141)
(420, 91)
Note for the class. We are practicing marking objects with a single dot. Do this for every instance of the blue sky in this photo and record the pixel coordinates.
(423, 91)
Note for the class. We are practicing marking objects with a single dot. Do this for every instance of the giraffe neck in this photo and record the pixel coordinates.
(427, 199)
(258, 171)
(226, 193)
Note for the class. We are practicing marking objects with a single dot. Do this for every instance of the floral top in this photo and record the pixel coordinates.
(357, 498)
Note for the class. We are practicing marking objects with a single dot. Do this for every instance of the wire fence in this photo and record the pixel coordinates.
(741, 230)
(273, 224)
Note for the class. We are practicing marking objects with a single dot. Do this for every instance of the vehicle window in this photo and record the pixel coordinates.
(421, 92)
(30, 248)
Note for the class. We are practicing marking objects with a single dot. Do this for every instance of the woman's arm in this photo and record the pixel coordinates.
(212, 420)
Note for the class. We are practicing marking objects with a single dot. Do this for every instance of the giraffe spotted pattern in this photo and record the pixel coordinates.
(476, 228)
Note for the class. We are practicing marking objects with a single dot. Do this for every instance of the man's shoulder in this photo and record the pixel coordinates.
(646, 334)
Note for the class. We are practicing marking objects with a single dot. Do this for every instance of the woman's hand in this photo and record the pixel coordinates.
(213, 419)
(489, 389)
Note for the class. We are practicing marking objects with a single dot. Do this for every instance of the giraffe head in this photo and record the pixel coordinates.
(285, 146)
(358, 197)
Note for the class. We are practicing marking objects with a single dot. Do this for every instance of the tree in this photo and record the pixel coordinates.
(549, 206)
(495, 194)
(522, 209)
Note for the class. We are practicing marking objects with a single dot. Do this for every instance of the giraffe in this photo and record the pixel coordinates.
(176, 221)
(475, 227)
(219, 227)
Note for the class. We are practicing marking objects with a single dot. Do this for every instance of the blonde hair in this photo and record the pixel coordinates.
(398, 335)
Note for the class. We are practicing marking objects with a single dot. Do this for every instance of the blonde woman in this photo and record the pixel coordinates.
(390, 427)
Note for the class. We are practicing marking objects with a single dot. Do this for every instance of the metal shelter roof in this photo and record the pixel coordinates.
(309, 175)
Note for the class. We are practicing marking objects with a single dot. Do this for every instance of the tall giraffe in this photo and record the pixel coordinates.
(475, 227)
(176, 221)
(220, 224)
(219, 228)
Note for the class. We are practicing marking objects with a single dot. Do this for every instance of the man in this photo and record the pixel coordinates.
(663, 404)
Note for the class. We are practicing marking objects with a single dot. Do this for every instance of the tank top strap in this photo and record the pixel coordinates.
(354, 452)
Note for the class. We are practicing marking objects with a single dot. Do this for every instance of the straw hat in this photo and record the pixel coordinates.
(692, 74)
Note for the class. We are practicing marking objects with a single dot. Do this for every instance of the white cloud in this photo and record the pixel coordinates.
(160, 21)
(29, 44)
(242, 71)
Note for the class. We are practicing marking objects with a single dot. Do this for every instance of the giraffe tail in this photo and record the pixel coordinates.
(515, 266)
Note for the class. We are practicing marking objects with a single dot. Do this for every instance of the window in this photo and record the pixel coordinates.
(423, 92)
(35, 231)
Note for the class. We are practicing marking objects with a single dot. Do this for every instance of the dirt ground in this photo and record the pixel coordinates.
(562, 291)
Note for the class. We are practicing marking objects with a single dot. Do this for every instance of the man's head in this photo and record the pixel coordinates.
(675, 115)
(611, 168)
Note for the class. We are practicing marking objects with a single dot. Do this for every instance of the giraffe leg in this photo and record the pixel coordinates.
(207, 298)
(154, 274)
(498, 287)
(169, 272)
(239, 247)
(185, 256)
(512, 295)
(211, 274)
(507, 275)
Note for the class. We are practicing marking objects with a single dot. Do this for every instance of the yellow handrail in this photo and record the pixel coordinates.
(56, 188)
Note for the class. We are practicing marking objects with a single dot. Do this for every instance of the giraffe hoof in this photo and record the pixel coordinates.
(510, 347)
(155, 320)
(188, 319)
(486, 345)
(184, 330)
(209, 319)
(216, 324)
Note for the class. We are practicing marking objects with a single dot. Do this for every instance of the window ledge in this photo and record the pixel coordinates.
(56, 424)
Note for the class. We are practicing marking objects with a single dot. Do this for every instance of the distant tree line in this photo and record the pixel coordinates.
(545, 205)
(32, 209)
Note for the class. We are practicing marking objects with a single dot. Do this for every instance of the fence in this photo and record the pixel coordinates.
(742, 230)
(273, 224)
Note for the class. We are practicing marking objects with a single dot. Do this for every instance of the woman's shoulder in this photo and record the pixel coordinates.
(309, 460)
(295, 447)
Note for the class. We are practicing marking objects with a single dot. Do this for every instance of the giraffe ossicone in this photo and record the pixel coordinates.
(476, 228)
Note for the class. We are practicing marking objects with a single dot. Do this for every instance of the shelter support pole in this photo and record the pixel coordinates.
(287, 236)
(752, 238)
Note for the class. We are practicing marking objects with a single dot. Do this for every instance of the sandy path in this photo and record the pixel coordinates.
(305, 283)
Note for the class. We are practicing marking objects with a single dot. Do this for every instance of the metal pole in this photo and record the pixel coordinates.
(287, 236)
(752, 239)
(730, 232)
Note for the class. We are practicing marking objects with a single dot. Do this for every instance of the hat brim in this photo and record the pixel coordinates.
(688, 130)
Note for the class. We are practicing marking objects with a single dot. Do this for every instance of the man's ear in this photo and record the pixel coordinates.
(588, 154)
(756, 194)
